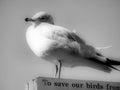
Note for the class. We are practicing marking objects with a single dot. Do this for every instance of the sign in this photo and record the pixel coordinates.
(43, 83)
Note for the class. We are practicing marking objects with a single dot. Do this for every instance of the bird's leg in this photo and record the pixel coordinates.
(56, 71)
(58, 68)
(60, 65)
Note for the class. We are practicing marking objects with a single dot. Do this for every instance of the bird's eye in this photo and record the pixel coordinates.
(42, 18)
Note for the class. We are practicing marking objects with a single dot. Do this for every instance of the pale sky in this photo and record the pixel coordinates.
(97, 21)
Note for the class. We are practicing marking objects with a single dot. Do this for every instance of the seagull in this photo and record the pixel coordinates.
(63, 47)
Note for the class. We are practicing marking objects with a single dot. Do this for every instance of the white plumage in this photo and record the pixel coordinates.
(62, 46)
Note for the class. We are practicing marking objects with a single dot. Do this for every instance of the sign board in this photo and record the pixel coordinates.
(43, 83)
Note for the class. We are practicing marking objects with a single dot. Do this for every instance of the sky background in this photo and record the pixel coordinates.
(97, 21)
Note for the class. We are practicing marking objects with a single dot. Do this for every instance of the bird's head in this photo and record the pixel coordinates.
(40, 18)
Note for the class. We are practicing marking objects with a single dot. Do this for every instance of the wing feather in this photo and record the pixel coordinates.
(72, 42)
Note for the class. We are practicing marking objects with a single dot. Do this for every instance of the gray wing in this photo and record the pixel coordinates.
(74, 37)
(92, 54)
(73, 43)
(86, 50)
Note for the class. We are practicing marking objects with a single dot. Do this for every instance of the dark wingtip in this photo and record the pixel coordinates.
(112, 62)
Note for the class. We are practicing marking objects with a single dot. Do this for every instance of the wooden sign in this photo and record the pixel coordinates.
(43, 83)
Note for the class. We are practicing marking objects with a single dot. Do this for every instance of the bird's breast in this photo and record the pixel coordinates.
(37, 41)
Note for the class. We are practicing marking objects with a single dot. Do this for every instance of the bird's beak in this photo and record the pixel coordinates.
(28, 19)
